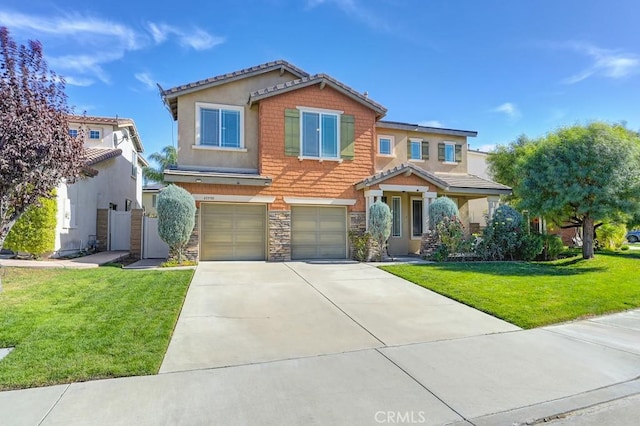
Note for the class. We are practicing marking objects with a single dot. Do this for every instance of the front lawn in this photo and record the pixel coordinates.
(71, 325)
(533, 294)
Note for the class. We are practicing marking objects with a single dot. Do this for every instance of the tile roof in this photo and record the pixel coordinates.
(317, 79)
(112, 121)
(449, 182)
(169, 95)
(425, 129)
(97, 155)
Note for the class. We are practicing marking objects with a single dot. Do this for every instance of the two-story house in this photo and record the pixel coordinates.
(282, 164)
(112, 180)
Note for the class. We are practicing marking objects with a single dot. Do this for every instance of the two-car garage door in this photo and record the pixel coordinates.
(239, 232)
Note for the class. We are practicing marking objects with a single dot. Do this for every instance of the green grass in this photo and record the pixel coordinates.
(533, 294)
(70, 325)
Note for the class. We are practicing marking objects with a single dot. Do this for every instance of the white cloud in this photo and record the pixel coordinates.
(197, 38)
(487, 147)
(355, 10)
(430, 123)
(145, 78)
(607, 63)
(92, 42)
(509, 109)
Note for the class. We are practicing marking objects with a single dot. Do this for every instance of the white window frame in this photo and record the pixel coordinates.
(320, 157)
(393, 213)
(134, 165)
(391, 146)
(416, 237)
(419, 142)
(205, 105)
(446, 145)
(76, 131)
(96, 131)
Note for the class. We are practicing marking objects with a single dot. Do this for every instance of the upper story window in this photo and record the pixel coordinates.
(134, 164)
(417, 149)
(449, 152)
(73, 133)
(219, 126)
(385, 145)
(319, 136)
(94, 134)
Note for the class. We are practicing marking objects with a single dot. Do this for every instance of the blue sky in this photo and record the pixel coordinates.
(502, 68)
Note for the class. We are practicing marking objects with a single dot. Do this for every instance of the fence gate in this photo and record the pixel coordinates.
(119, 230)
(154, 247)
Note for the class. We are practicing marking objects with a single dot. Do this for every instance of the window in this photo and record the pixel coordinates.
(415, 152)
(73, 133)
(94, 134)
(416, 218)
(396, 223)
(319, 136)
(385, 145)
(154, 200)
(134, 165)
(219, 126)
(449, 153)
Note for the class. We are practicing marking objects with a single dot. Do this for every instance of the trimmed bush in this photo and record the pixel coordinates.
(380, 225)
(176, 218)
(502, 236)
(35, 231)
(611, 236)
(552, 246)
(531, 246)
(440, 208)
(450, 232)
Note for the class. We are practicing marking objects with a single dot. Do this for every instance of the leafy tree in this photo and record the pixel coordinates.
(176, 218)
(585, 174)
(37, 151)
(441, 208)
(380, 224)
(35, 231)
(167, 157)
(503, 164)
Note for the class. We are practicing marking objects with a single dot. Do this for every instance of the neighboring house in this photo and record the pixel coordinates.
(150, 198)
(282, 164)
(477, 165)
(112, 180)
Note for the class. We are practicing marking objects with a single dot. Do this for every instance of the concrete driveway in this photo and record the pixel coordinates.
(304, 343)
(242, 313)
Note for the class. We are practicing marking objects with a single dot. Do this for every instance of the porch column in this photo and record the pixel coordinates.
(427, 199)
(493, 202)
(370, 197)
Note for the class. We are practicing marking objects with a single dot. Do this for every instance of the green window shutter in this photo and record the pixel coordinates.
(408, 149)
(425, 150)
(347, 139)
(458, 153)
(292, 132)
(441, 155)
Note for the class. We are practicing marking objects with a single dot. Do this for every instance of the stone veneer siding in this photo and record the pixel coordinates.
(279, 235)
(192, 251)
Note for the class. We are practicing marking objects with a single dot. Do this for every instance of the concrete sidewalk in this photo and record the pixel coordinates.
(90, 261)
(300, 343)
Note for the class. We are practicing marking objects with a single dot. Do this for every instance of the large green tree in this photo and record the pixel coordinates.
(583, 174)
(503, 164)
(164, 159)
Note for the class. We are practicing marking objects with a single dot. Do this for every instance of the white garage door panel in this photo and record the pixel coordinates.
(233, 232)
(318, 232)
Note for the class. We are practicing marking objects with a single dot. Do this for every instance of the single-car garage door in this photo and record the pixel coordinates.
(232, 231)
(318, 232)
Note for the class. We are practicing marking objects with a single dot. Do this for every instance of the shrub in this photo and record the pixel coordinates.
(531, 246)
(380, 224)
(502, 236)
(552, 246)
(450, 231)
(176, 218)
(35, 231)
(361, 243)
(439, 209)
(611, 236)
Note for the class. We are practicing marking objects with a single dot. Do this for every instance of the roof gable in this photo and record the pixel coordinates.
(121, 123)
(322, 80)
(170, 96)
